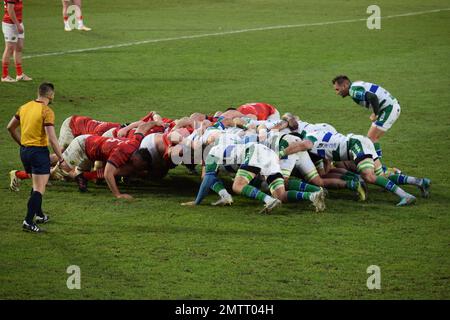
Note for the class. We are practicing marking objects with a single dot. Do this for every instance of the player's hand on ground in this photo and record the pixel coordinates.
(189, 203)
(124, 196)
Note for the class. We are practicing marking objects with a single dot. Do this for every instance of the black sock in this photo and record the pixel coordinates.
(34, 206)
(39, 211)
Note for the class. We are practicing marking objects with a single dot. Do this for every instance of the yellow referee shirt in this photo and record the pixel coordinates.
(33, 117)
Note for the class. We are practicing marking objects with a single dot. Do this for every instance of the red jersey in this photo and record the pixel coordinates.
(116, 151)
(86, 125)
(18, 8)
(158, 129)
(261, 110)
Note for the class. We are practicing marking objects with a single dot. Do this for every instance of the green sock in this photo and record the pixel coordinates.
(351, 184)
(349, 176)
(217, 187)
(253, 193)
(390, 186)
(404, 179)
(294, 196)
(299, 185)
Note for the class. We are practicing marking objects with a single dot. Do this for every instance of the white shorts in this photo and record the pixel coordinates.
(305, 166)
(65, 134)
(10, 32)
(259, 156)
(360, 146)
(387, 117)
(75, 154)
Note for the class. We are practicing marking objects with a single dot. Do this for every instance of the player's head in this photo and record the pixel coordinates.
(141, 160)
(341, 85)
(47, 90)
(291, 121)
(197, 116)
(176, 136)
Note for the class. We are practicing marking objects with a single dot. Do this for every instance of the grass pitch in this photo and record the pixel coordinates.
(152, 248)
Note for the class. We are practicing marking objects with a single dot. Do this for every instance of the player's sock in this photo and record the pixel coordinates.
(254, 193)
(218, 186)
(294, 196)
(93, 175)
(390, 186)
(38, 210)
(351, 184)
(404, 179)
(34, 206)
(299, 185)
(377, 146)
(80, 22)
(22, 175)
(349, 176)
(19, 70)
(5, 71)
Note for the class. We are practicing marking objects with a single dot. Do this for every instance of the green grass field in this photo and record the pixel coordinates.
(152, 248)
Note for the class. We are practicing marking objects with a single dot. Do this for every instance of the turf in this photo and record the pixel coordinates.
(152, 248)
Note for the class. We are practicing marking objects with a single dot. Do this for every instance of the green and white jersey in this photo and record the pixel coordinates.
(337, 147)
(328, 145)
(358, 90)
(305, 127)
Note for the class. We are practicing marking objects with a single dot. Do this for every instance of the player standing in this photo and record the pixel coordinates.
(385, 108)
(14, 35)
(36, 120)
(79, 16)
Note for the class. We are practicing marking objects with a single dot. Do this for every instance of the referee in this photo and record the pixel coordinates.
(36, 121)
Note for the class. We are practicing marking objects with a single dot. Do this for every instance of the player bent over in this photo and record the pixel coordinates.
(254, 159)
(356, 148)
(385, 108)
(122, 157)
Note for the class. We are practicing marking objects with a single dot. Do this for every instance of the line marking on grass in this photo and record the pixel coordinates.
(205, 35)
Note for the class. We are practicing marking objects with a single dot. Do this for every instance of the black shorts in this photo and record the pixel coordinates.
(36, 160)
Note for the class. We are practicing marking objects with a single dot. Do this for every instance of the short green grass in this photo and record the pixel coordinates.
(152, 248)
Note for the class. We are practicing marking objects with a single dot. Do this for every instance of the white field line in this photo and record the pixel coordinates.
(137, 43)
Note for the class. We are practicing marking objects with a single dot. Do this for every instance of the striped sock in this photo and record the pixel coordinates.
(253, 193)
(404, 179)
(390, 186)
(349, 176)
(299, 185)
(294, 196)
(218, 186)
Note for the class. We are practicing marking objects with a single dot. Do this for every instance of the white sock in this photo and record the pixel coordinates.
(224, 193)
(268, 199)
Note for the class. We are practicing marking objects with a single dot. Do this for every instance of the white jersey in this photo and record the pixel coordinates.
(358, 90)
(328, 145)
(306, 127)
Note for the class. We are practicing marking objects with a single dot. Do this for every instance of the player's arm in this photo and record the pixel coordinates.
(12, 127)
(124, 131)
(12, 15)
(110, 176)
(296, 147)
(51, 134)
(372, 100)
(283, 124)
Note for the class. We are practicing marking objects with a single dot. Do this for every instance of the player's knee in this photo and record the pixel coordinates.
(369, 176)
(238, 185)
